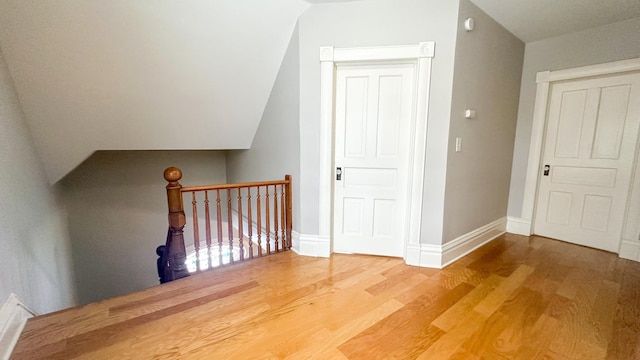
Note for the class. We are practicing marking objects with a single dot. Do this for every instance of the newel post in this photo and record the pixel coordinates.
(175, 241)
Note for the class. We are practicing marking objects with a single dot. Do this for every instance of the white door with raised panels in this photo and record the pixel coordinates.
(587, 163)
(373, 115)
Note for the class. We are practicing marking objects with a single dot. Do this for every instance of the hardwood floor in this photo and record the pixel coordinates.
(515, 298)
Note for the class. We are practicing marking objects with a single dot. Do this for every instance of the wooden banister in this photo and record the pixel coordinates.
(174, 265)
(264, 227)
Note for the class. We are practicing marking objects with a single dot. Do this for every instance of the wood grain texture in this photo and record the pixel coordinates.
(515, 298)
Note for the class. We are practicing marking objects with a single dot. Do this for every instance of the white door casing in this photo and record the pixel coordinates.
(630, 247)
(420, 56)
(374, 111)
(590, 145)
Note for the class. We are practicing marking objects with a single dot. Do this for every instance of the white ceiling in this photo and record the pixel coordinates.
(532, 20)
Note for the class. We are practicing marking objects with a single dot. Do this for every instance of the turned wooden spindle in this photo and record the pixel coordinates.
(175, 242)
(240, 228)
(288, 189)
(250, 222)
(275, 219)
(283, 205)
(207, 214)
(196, 229)
(230, 225)
(268, 219)
(259, 227)
(219, 226)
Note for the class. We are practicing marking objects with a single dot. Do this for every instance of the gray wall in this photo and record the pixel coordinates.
(36, 254)
(377, 23)
(487, 71)
(275, 150)
(613, 42)
(117, 208)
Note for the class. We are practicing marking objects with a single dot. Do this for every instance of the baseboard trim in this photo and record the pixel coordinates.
(439, 256)
(310, 245)
(13, 317)
(518, 226)
(468, 242)
(630, 250)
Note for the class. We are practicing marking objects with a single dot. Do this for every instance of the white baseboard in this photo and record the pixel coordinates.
(518, 226)
(424, 255)
(412, 256)
(468, 242)
(13, 317)
(439, 256)
(310, 245)
(630, 250)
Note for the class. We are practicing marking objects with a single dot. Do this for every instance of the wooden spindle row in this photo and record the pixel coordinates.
(262, 222)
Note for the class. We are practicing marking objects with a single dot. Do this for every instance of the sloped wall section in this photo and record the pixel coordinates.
(143, 75)
(36, 251)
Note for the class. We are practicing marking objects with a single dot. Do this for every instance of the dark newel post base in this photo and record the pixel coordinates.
(177, 256)
(162, 263)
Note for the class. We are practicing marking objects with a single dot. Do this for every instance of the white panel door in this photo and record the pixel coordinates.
(590, 146)
(374, 112)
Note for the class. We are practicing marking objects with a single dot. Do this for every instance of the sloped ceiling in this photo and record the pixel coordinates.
(144, 74)
(192, 74)
(532, 20)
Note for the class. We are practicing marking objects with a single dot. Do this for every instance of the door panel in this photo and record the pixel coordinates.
(575, 175)
(567, 144)
(559, 210)
(610, 124)
(590, 144)
(373, 116)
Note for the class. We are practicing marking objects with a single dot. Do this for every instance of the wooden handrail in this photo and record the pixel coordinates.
(253, 236)
(235, 186)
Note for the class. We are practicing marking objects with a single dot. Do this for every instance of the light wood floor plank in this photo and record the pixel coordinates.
(515, 298)
(496, 298)
(457, 314)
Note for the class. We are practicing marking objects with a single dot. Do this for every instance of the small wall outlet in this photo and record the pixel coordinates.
(458, 144)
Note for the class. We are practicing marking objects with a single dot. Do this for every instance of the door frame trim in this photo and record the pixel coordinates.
(544, 80)
(421, 55)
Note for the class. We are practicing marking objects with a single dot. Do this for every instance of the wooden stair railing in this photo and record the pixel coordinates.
(258, 223)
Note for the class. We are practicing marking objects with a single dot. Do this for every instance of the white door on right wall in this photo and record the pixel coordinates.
(588, 156)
